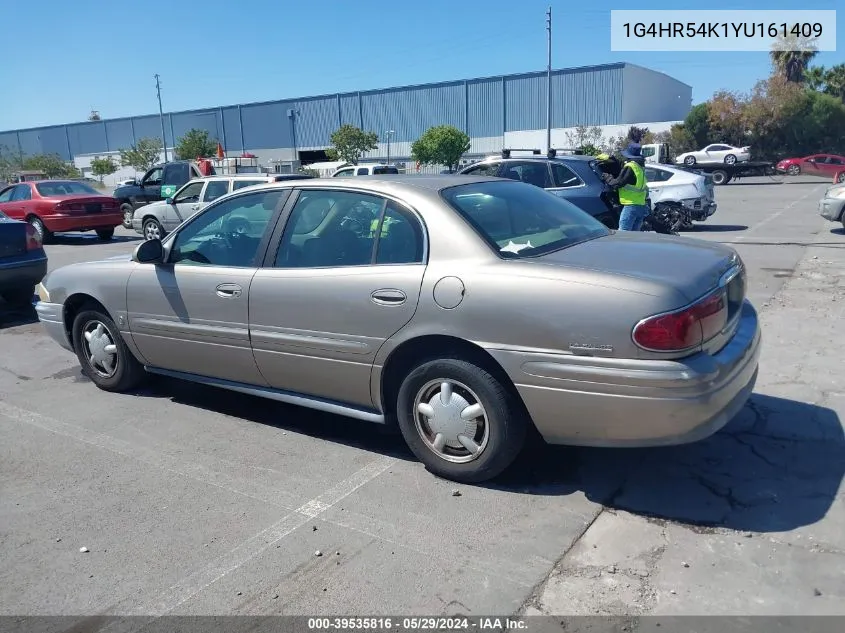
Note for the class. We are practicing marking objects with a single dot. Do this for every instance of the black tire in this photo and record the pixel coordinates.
(720, 177)
(127, 211)
(689, 160)
(105, 234)
(18, 297)
(793, 170)
(128, 372)
(730, 159)
(151, 228)
(840, 177)
(506, 423)
(43, 231)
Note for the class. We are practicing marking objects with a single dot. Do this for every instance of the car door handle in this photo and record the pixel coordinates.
(229, 291)
(389, 297)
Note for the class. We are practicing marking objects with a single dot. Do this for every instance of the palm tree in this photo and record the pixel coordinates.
(816, 78)
(834, 80)
(792, 55)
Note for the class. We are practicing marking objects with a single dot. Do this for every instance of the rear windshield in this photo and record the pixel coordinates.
(60, 188)
(384, 170)
(521, 220)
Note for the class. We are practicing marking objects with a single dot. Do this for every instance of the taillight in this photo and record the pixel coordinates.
(33, 239)
(685, 328)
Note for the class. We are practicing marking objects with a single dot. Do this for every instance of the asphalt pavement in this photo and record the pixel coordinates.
(191, 500)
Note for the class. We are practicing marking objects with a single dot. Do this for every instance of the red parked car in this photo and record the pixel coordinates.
(56, 206)
(824, 165)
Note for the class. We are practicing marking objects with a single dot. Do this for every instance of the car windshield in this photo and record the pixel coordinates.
(62, 188)
(520, 220)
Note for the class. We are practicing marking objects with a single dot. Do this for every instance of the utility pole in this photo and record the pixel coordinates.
(388, 133)
(161, 118)
(549, 83)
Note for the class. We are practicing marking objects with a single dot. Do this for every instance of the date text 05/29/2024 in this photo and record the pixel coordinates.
(723, 29)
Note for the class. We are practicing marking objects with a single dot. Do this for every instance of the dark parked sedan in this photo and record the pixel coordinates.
(23, 262)
(573, 177)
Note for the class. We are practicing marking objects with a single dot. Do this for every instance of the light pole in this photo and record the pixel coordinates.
(161, 118)
(388, 132)
(549, 84)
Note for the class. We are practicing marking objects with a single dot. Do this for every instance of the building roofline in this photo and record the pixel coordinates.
(217, 108)
(657, 72)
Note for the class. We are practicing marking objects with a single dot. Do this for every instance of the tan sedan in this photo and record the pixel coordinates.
(464, 309)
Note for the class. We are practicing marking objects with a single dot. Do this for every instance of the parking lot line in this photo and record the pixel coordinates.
(176, 465)
(774, 216)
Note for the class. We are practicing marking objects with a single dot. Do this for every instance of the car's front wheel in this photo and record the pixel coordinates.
(153, 229)
(460, 420)
(127, 211)
(793, 170)
(102, 352)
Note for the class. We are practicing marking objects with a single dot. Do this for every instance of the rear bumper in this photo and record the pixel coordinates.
(59, 224)
(703, 211)
(50, 316)
(22, 273)
(831, 208)
(588, 401)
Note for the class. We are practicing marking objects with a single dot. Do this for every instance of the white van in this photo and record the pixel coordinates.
(365, 170)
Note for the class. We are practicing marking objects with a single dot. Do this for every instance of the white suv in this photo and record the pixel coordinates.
(365, 170)
(157, 219)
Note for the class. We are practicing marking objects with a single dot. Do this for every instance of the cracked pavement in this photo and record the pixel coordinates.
(196, 501)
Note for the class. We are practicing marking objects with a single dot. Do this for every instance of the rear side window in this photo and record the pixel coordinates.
(564, 176)
(240, 184)
(362, 171)
(488, 169)
(6, 195)
(534, 173)
(385, 170)
(176, 174)
(215, 189)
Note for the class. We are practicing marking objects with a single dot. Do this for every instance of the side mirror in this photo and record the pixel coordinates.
(169, 201)
(149, 252)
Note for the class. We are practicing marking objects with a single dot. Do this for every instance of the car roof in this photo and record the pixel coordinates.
(545, 159)
(385, 183)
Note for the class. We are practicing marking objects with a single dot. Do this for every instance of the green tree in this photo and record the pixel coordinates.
(10, 163)
(697, 124)
(195, 144)
(441, 145)
(51, 165)
(143, 155)
(834, 81)
(814, 77)
(103, 167)
(588, 139)
(350, 143)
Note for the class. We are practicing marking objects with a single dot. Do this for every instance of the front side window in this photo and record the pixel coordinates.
(6, 194)
(215, 189)
(190, 193)
(344, 172)
(520, 221)
(329, 229)
(564, 176)
(228, 233)
(153, 178)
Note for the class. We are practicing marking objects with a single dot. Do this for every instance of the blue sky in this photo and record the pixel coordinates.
(102, 54)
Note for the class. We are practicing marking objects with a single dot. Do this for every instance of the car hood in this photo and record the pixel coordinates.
(689, 266)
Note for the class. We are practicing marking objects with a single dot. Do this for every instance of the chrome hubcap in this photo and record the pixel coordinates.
(151, 231)
(99, 348)
(451, 420)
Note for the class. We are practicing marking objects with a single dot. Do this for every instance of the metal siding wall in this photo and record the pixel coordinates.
(485, 108)
(349, 110)
(266, 126)
(120, 134)
(233, 129)
(9, 143)
(150, 127)
(316, 121)
(208, 121)
(87, 138)
(653, 96)
(412, 111)
(525, 103)
(30, 142)
(53, 141)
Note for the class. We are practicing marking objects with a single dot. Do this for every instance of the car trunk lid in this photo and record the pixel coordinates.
(691, 267)
(85, 205)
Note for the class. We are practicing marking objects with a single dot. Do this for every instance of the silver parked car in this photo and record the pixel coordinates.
(832, 204)
(461, 309)
(157, 219)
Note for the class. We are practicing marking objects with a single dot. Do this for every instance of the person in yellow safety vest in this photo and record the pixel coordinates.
(632, 188)
(385, 228)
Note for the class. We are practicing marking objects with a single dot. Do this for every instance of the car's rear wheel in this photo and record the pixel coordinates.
(105, 234)
(127, 211)
(18, 297)
(36, 223)
(730, 159)
(720, 177)
(102, 352)
(460, 420)
(689, 160)
(153, 229)
(793, 170)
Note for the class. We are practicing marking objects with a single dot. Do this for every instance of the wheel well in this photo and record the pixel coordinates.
(418, 350)
(73, 305)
